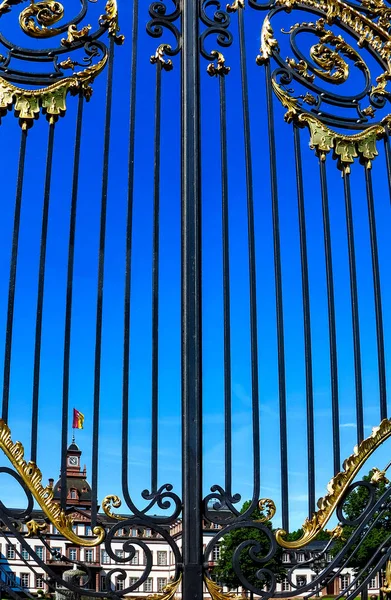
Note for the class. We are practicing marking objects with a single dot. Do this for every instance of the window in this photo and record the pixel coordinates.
(300, 557)
(39, 551)
(147, 587)
(73, 494)
(301, 580)
(39, 581)
(104, 557)
(73, 553)
(135, 559)
(88, 530)
(9, 578)
(120, 554)
(119, 584)
(161, 583)
(56, 553)
(286, 558)
(74, 528)
(373, 583)
(25, 554)
(216, 526)
(216, 553)
(133, 580)
(147, 533)
(134, 532)
(161, 557)
(10, 551)
(285, 585)
(25, 580)
(344, 581)
(103, 587)
(89, 555)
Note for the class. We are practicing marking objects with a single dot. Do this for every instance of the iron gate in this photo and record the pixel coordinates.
(183, 252)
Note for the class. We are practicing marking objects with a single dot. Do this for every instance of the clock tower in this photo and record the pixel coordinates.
(73, 460)
(78, 489)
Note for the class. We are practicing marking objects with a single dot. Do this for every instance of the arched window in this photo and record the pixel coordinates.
(73, 494)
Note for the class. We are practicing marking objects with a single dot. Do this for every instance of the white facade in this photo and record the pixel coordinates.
(18, 567)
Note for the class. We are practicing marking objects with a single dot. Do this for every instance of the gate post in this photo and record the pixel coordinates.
(192, 548)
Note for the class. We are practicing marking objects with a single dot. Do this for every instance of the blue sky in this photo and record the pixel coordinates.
(86, 255)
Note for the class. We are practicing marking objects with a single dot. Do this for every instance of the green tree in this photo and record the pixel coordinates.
(224, 572)
(353, 508)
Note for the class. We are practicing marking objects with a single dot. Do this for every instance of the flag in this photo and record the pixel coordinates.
(78, 419)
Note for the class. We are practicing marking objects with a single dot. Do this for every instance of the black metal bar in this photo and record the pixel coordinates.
(252, 263)
(387, 149)
(279, 306)
(192, 586)
(331, 313)
(69, 298)
(41, 287)
(99, 302)
(12, 277)
(155, 282)
(128, 257)
(226, 289)
(377, 296)
(354, 302)
(306, 323)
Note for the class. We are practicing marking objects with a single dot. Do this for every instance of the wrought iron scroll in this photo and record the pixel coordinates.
(18, 88)
(338, 491)
(302, 83)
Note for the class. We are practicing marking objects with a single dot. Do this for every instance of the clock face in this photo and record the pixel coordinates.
(73, 461)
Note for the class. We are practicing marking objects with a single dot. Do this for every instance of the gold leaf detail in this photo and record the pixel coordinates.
(236, 5)
(158, 57)
(110, 20)
(378, 476)
(301, 68)
(338, 486)
(220, 68)
(75, 35)
(267, 505)
(168, 592)
(36, 18)
(386, 589)
(216, 591)
(268, 42)
(33, 528)
(29, 472)
(108, 502)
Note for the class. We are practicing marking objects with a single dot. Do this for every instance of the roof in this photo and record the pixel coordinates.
(74, 483)
(74, 447)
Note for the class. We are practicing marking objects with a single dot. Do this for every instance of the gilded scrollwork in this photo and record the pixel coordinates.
(41, 19)
(216, 591)
(109, 20)
(268, 42)
(332, 60)
(220, 68)
(112, 501)
(36, 19)
(267, 506)
(339, 484)
(32, 477)
(158, 57)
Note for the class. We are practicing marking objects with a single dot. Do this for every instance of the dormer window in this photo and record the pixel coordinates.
(73, 494)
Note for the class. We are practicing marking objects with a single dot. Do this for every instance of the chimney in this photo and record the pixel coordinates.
(51, 481)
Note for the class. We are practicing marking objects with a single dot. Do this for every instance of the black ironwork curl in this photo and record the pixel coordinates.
(216, 25)
(222, 501)
(12, 513)
(161, 20)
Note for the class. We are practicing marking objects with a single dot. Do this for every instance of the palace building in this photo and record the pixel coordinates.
(21, 573)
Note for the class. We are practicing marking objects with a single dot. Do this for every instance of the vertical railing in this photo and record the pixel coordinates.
(191, 307)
